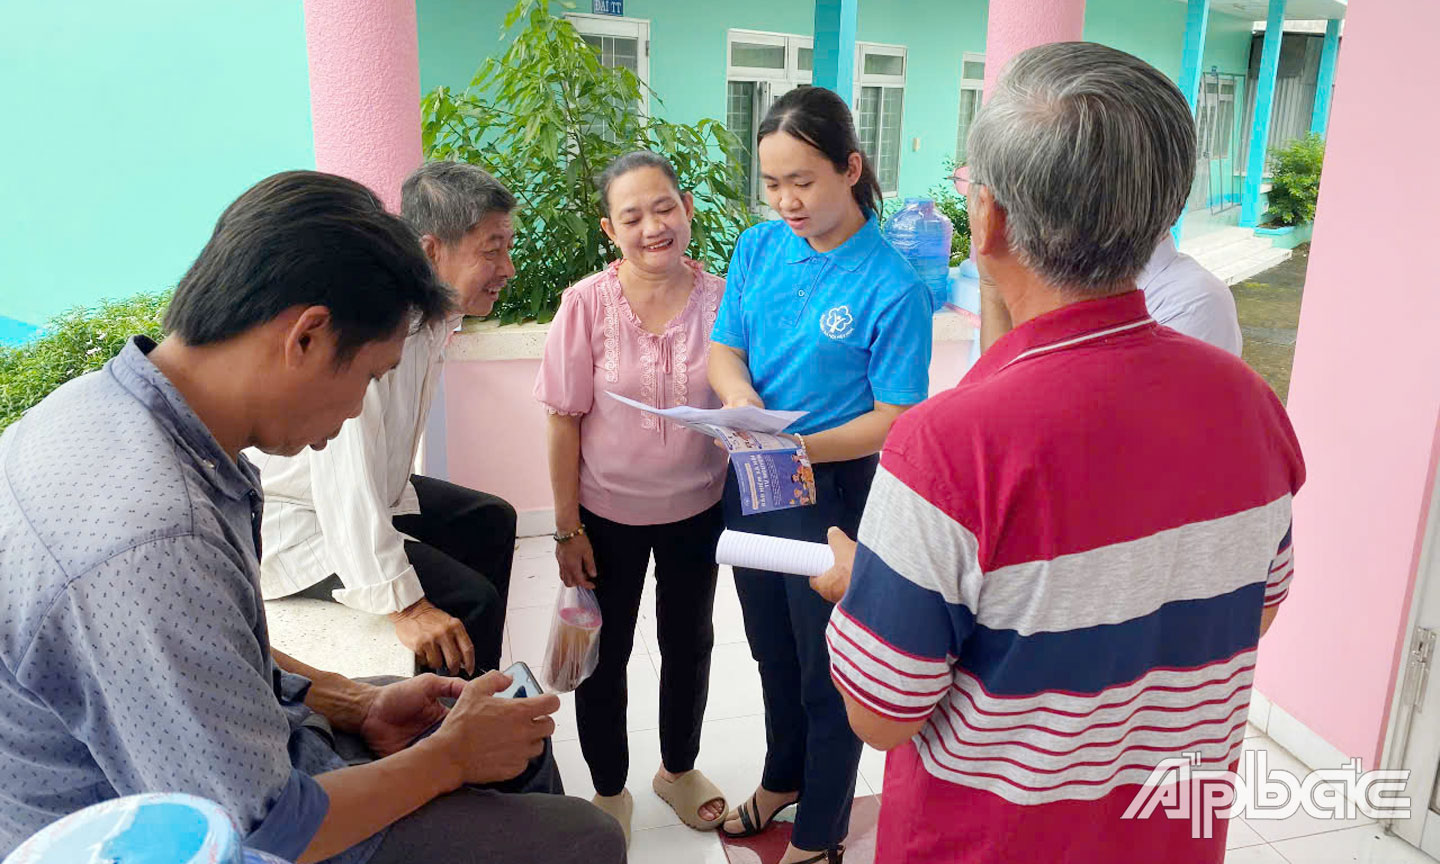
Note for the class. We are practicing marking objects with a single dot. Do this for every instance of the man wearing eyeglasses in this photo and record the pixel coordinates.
(1068, 559)
(1179, 293)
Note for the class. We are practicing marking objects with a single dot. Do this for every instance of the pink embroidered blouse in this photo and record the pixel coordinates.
(635, 468)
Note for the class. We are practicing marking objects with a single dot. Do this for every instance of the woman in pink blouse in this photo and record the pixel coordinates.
(628, 484)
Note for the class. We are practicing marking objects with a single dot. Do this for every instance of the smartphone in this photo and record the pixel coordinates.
(522, 683)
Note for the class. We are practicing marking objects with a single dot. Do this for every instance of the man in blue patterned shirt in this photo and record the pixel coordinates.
(134, 655)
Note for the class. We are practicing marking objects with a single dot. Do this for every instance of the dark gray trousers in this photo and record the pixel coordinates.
(525, 819)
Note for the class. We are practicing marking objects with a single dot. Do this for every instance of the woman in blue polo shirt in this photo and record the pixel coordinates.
(820, 315)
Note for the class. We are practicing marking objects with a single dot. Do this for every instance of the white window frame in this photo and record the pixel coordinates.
(883, 81)
(791, 42)
(976, 85)
(631, 28)
(771, 85)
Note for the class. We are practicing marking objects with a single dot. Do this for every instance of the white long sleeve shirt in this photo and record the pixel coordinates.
(1182, 295)
(330, 511)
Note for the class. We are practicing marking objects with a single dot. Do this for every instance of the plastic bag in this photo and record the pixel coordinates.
(574, 648)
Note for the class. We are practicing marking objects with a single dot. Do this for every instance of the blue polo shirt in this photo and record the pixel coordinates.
(831, 333)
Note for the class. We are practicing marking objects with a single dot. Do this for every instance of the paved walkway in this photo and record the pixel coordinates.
(1269, 309)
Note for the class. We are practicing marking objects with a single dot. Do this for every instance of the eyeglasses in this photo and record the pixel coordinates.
(961, 179)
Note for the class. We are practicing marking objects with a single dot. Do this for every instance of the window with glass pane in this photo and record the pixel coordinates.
(889, 167)
(805, 59)
(757, 56)
(969, 106)
(973, 69)
(740, 120)
(884, 64)
(615, 52)
(878, 113)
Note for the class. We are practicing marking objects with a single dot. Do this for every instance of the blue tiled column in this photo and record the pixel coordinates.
(1197, 20)
(1260, 125)
(835, 46)
(1325, 85)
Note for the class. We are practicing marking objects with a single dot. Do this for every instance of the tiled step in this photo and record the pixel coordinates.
(1240, 269)
(1234, 254)
(1217, 242)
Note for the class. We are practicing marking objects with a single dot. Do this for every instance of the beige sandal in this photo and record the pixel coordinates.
(687, 794)
(618, 807)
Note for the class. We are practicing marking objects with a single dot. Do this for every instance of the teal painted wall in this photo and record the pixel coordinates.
(687, 63)
(128, 128)
(687, 59)
(1154, 31)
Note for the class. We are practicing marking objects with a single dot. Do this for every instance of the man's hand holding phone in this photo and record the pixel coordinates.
(489, 738)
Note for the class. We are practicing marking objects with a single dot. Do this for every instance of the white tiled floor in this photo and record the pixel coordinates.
(734, 740)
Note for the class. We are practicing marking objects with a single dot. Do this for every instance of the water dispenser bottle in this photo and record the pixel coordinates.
(922, 234)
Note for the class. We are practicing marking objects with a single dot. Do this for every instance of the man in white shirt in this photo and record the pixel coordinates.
(1182, 295)
(351, 521)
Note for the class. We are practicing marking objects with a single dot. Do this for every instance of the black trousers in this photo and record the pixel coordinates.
(685, 574)
(466, 544)
(810, 748)
(463, 557)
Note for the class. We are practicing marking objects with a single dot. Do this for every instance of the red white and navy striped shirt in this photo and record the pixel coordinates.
(1062, 568)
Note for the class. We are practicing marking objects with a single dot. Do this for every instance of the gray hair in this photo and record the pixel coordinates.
(1091, 152)
(447, 199)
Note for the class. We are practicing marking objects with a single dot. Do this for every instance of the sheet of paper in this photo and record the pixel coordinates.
(759, 552)
(748, 417)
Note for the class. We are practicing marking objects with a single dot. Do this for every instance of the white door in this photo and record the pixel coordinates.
(620, 42)
(1414, 736)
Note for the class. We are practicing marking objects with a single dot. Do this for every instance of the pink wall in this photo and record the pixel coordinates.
(495, 431)
(365, 90)
(1366, 387)
(1015, 25)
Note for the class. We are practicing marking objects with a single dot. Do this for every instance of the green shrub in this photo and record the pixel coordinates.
(1295, 186)
(953, 205)
(546, 118)
(79, 341)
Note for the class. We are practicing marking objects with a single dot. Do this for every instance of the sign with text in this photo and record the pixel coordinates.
(608, 7)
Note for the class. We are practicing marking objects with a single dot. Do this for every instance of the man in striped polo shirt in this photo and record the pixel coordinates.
(1067, 561)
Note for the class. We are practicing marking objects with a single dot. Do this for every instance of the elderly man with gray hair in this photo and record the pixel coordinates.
(1068, 560)
(351, 522)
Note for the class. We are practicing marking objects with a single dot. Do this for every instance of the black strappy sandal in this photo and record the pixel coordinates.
(829, 856)
(750, 819)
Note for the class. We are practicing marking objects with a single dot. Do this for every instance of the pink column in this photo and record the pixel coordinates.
(1015, 25)
(365, 90)
(1365, 392)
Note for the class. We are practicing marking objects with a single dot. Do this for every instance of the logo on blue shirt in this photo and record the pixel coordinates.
(837, 323)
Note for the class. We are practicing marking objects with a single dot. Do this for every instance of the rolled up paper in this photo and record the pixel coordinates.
(761, 552)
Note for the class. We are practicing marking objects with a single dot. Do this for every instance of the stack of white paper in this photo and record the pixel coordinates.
(746, 417)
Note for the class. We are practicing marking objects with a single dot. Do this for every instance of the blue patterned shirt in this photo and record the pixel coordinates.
(134, 655)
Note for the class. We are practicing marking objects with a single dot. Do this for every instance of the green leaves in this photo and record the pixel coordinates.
(546, 118)
(76, 342)
(1295, 186)
(953, 204)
